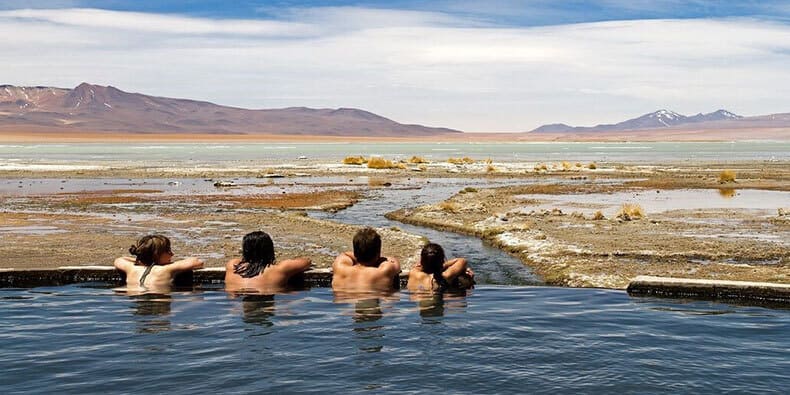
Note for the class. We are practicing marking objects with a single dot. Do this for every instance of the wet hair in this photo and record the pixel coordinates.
(150, 247)
(367, 245)
(432, 262)
(257, 252)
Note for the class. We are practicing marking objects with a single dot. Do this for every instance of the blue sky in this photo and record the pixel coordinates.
(478, 66)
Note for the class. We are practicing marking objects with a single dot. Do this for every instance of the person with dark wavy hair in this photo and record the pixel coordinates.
(152, 265)
(365, 268)
(257, 268)
(433, 273)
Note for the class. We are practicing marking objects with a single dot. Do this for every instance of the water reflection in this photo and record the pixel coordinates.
(258, 309)
(727, 193)
(434, 304)
(151, 310)
(367, 311)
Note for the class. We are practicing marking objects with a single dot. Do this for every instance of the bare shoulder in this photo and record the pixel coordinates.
(124, 263)
(342, 261)
(232, 263)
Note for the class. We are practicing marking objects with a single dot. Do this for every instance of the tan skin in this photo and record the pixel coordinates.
(274, 278)
(377, 275)
(161, 275)
(419, 281)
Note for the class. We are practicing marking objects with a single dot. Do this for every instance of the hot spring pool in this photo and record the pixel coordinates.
(498, 339)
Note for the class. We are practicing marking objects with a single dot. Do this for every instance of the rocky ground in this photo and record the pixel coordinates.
(47, 231)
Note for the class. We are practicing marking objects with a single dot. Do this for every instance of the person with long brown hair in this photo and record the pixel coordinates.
(257, 268)
(434, 273)
(151, 265)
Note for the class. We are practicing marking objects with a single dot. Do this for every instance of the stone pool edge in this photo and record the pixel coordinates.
(650, 286)
(719, 290)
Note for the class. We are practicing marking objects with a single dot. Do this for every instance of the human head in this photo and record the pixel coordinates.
(432, 258)
(257, 248)
(367, 245)
(152, 249)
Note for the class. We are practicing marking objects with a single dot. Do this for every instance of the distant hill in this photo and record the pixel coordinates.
(95, 108)
(655, 120)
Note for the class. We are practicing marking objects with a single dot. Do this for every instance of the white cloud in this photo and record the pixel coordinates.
(414, 67)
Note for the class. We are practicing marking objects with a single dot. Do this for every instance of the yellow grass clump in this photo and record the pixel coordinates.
(592, 166)
(378, 162)
(726, 176)
(566, 166)
(490, 169)
(461, 161)
(417, 160)
(630, 211)
(541, 166)
(354, 160)
(489, 161)
(577, 164)
(598, 216)
(422, 167)
(449, 207)
(402, 166)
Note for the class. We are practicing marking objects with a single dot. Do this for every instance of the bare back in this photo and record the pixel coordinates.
(347, 274)
(154, 276)
(272, 278)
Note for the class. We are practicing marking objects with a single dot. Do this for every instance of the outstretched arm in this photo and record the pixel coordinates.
(295, 266)
(183, 265)
(453, 268)
(391, 266)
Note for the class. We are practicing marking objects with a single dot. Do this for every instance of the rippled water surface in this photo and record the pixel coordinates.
(81, 339)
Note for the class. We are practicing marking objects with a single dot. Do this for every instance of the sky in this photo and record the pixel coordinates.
(476, 66)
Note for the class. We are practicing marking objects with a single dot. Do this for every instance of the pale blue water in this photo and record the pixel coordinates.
(78, 340)
(515, 151)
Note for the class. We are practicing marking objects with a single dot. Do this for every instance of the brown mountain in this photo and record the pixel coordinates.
(94, 108)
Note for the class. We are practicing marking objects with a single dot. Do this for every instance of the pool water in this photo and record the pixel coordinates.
(497, 339)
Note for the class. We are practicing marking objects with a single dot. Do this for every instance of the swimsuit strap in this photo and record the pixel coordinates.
(145, 274)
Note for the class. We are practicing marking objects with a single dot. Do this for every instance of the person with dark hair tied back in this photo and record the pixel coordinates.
(152, 266)
(435, 274)
(257, 269)
(365, 269)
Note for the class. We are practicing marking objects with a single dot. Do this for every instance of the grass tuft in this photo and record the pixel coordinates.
(469, 190)
(630, 211)
(598, 216)
(461, 161)
(449, 207)
(592, 166)
(354, 160)
(566, 166)
(378, 162)
(417, 160)
(726, 176)
(490, 169)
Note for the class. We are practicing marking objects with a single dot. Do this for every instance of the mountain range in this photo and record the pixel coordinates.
(95, 108)
(655, 120)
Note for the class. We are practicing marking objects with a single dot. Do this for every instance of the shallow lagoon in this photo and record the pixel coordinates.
(80, 339)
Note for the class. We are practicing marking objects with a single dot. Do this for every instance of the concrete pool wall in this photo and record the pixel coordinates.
(739, 291)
